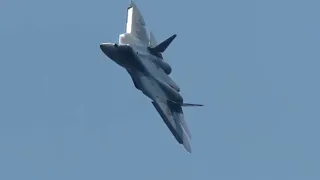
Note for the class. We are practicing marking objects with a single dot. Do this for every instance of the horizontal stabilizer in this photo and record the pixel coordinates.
(164, 45)
(185, 104)
(189, 104)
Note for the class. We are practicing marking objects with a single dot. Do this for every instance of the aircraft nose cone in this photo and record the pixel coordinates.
(107, 49)
(112, 50)
(104, 47)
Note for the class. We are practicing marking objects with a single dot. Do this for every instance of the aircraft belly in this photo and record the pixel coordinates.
(133, 63)
(150, 88)
(171, 83)
(170, 92)
(154, 79)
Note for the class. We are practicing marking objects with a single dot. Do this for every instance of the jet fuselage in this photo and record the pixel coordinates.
(139, 63)
(142, 57)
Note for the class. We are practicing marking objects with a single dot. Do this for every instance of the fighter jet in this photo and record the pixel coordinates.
(142, 57)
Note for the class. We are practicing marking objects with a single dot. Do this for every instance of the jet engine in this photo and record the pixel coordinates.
(165, 66)
(171, 93)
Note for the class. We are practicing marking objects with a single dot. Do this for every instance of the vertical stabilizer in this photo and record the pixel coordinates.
(160, 48)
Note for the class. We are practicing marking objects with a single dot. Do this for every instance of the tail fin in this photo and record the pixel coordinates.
(164, 45)
(157, 50)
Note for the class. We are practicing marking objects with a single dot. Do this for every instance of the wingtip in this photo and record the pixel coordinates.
(187, 146)
(184, 124)
(186, 143)
(131, 3)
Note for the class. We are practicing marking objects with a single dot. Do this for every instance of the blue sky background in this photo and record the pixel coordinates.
(68, 112)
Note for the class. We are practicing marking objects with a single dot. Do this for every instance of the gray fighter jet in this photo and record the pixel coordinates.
(142, 58)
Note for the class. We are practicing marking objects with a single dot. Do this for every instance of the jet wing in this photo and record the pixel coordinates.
(136, 25)
(174, 120)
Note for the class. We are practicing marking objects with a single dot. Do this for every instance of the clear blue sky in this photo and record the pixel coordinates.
(68, 112)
